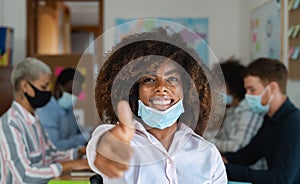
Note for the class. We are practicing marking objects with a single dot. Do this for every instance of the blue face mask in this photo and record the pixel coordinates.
(254, 103)
(160, 119)
(228, 99)
(67, 100)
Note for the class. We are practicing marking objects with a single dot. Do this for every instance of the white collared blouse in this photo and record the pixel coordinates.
(190, 159)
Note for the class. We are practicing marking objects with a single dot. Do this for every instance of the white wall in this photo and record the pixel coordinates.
(224, 21)
(1, 12)
(13, 14)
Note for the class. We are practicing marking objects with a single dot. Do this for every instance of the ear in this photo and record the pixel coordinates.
(23, 86)
(274, 87)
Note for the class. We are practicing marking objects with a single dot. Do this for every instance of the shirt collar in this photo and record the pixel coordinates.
(28, 117)
(181, 136)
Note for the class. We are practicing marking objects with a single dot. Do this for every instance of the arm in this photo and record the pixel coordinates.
(91, 150)
(219, 176)
(109, 152)
(51, 119)
(285, 167)
(245, 126)
(19, 159)
(53, 153)
(66, 158)
(249, 154)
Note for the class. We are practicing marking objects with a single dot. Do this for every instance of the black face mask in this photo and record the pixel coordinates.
(40, 99)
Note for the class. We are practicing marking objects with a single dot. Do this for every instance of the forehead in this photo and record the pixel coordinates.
(43, 78)
(252, 81)
(167, 66)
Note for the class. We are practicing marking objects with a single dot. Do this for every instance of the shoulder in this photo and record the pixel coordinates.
(292, 119)
(288, 112)
(13, 117)
(101, 129)
(50, 109)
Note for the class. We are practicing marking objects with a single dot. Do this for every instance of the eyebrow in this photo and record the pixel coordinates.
(166, 73)
(249, 87)
(172, 72)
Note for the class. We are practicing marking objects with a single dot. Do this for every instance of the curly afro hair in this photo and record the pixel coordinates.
(138, 48)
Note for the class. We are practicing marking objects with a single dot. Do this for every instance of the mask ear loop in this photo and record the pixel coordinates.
(271, 97)
(264, 90)
(32, 86)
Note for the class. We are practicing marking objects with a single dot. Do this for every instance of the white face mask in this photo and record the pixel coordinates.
(160, 119)
(67, 100)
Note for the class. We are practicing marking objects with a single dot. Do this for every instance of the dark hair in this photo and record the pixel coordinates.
(268, 70)
(67, 75)
(131, 51)
(232, 74)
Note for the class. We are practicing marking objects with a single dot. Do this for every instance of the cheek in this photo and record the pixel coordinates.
(144, 95)
(265, 98)
(178, 91)
(29, 91)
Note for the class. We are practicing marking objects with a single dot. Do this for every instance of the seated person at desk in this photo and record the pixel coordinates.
(157, 147)
(26, 153)
(240, 123)
(57, 116)
(278, 139)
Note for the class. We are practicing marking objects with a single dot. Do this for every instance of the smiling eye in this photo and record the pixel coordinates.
(44, 87)
(148, 80)
(173, 79)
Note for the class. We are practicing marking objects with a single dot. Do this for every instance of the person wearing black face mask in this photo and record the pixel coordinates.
(40, 98)
(26, 153)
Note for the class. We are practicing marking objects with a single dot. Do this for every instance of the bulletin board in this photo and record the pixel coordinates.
(265, 30)
(294, 39)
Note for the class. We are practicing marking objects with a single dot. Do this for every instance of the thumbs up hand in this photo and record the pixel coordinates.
(114, 150)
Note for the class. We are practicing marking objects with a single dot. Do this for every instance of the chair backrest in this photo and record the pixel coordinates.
(96, 179)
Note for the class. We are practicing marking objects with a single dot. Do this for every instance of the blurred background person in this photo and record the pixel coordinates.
(240, 124)
(277, 141)
(27, 155)
(57, 116)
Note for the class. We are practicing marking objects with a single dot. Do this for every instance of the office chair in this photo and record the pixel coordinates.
(96, 179)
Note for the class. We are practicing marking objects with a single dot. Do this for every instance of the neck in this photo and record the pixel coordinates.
(22, 100)
(276, 103)
(165, 136)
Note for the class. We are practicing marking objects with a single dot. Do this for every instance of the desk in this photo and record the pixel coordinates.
(67, 179)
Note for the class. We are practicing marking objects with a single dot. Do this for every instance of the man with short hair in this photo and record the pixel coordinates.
(278, 139)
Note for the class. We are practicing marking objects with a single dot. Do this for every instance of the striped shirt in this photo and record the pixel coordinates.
(26, 153)
(239, 126)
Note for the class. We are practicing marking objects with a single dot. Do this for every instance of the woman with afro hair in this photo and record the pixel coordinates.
(150, 93)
